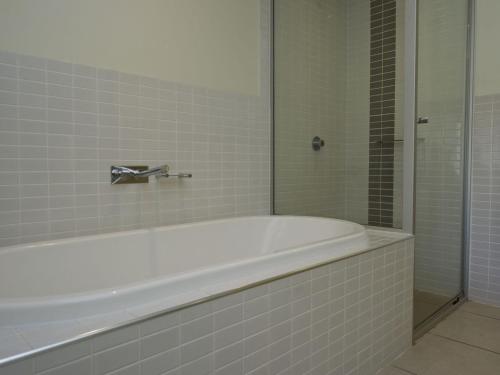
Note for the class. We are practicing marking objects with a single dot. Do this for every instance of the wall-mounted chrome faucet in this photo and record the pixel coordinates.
(139, 174)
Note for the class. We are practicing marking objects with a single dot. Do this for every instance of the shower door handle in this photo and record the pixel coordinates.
(423, 120)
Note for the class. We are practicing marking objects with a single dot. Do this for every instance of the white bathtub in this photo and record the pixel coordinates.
(86, 276)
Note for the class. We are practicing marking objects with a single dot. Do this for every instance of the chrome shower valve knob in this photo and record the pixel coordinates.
(317, 143)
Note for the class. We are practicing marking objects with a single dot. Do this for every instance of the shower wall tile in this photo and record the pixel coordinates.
(310, 81)
(357, 112)
(484, 271)
(439, 202)
(62, 126)
(322, 79)
(382, 112)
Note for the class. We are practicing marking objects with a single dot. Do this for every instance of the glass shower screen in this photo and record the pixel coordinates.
(439, 163)
(338, 122)
(338, 126)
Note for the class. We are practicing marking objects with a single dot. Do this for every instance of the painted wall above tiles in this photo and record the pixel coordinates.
(209, 43)
(63, 125)
(487, 79)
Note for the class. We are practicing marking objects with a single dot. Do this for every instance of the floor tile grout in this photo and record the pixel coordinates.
(463, 342)
(479, 314)
(404, 370)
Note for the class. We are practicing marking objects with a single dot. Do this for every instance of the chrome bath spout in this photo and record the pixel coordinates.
(140, 174)
(126, 171)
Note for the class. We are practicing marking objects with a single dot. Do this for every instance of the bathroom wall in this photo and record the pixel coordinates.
(310, 82)
(484, 271)
(207, 43)
(322, 87)
(399, 136)
(63, 124)
(487, 79)
(382, 112)
(330, 38)
(357, 112)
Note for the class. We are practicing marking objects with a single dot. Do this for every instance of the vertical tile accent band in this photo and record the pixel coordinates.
(382, 111)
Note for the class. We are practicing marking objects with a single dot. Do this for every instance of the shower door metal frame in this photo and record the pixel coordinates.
(411, 26)
(410, 101)
(271, 109)
(469, 117)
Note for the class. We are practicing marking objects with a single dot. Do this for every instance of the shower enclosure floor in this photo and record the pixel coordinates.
(426, 304)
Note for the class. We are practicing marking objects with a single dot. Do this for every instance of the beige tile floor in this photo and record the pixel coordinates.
(465, 343)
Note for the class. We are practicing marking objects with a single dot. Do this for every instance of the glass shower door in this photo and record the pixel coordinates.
(440, 134)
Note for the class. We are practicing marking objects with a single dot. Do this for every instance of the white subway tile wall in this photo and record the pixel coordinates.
(322, 80)
(357, 111)
(310, 81)
(62, 126)
(62, 132)
(352, 316)
(439, 200)
(484, 272)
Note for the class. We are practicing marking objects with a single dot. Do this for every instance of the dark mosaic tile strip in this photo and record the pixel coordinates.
(382, 111)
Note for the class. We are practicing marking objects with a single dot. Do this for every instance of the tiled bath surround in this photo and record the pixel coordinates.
(484, 275)
(62, 126)
(352, 316)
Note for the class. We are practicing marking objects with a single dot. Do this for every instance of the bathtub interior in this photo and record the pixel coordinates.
(106, 261)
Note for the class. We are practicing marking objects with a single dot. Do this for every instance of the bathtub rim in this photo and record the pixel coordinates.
(107, 235)
(103, 293)
(397, 235)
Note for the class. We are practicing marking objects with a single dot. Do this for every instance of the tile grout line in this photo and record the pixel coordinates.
(404, 370)
(478, 314)
(465, 343)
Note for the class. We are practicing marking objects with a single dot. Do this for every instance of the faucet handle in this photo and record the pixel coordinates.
(179, 175)
(164, 168)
